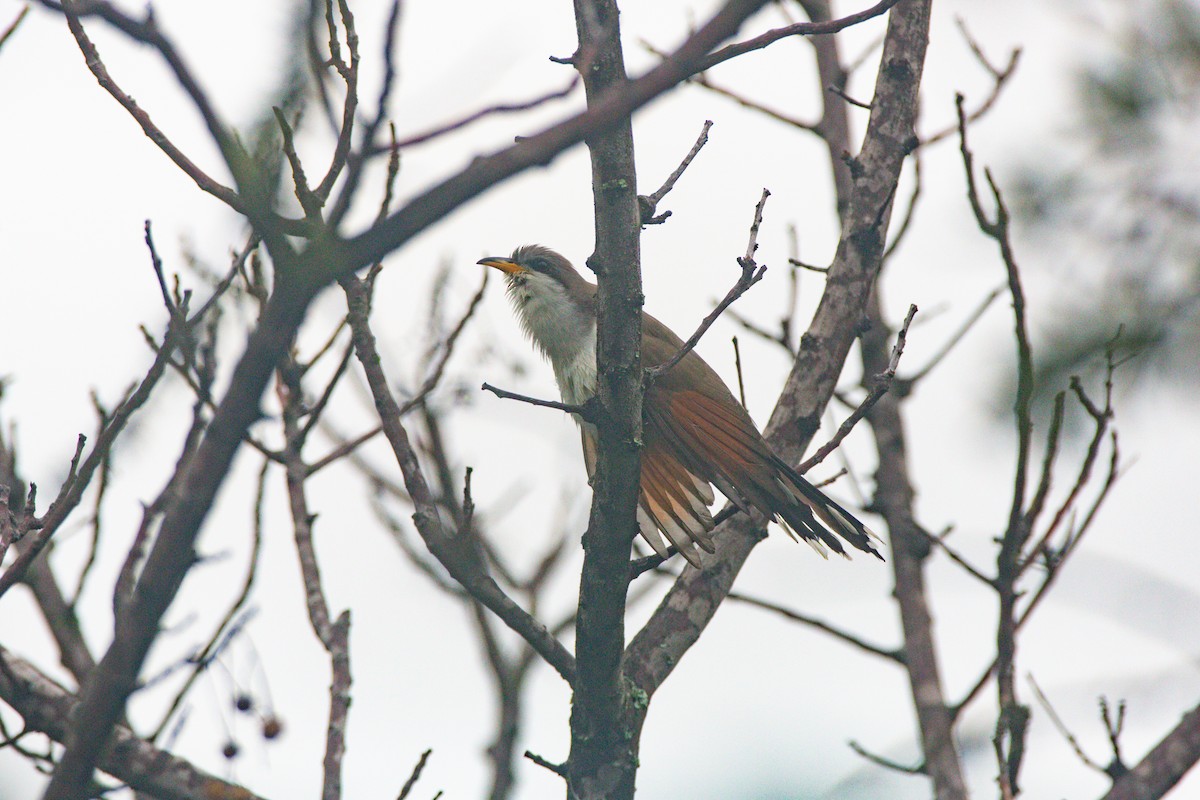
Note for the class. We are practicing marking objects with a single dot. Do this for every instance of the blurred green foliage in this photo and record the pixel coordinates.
(1114, 203)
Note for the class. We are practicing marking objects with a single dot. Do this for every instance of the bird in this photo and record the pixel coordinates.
(695, 434)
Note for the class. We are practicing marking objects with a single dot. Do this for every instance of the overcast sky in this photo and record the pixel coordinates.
(759, 708)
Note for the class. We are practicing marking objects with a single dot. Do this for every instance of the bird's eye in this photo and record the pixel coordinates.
(537, 264)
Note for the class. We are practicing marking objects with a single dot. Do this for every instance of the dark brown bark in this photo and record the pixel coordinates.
(894, 501)
(48, 708)
(692, 601)
(102, 699)
(604, 741)
(1164, 766)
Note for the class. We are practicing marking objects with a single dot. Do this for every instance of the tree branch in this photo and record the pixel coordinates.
(752, 273)
(48, 708)
(691, 602)
(604, 740)
(458, 554)
(1164, 766)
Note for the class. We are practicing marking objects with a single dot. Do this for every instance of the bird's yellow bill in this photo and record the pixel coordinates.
(503, 264)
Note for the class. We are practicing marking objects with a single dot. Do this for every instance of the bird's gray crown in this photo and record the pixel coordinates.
(538, 258)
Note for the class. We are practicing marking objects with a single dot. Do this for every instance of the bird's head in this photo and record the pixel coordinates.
(531, 260)
(553, 301)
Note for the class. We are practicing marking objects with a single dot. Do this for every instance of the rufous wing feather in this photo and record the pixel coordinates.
(719, 442)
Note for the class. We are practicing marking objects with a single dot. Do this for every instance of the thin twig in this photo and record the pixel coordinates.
(314, 413)
(910, 210)
(649, 203)
(840, 92)
(752, 273)
(1044, 702)
(956, 557)
(891, 654)
(80, 474)
(222, 633)
(1113, 727)
(1013, 720)
(309, 201)
(955, 338)
(12, 26)
(414, 776)
(1000, 78)
(557, 769)
(459, 555)
(349, 76)
(882, 382)
(97, 509)
(737, 363)
(146, 31)
(46, 707)
(334, 636)
(887, 763)
(584, 411)
(502, 108)
(344, 449)
(797, 29)
(757, 330)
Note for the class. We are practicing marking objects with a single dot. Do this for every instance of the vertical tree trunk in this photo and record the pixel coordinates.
(604, 739)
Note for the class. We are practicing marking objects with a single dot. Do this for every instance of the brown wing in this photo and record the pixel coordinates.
(670, 500)
(691, 412)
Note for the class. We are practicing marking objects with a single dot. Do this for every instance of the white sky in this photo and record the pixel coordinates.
(760, 708)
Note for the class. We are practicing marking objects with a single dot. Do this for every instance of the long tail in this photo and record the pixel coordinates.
(811, 505)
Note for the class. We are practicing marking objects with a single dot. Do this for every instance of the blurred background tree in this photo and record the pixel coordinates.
(1113, 203)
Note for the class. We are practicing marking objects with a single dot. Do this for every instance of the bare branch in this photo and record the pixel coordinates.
(957, 337)
(891, 654)
(501, 108)
(617, 103)
(458, 554)
(649, 203)
(557, 769)
(887, 763)
(48, 708)
(798, 29)
(840, 92)
(229, 623)
(585, 411)
(334, 636)
(349, 75)
(309, 201)
(147, 32)
(1113, 728)
(752, 273)
(910, 210)
(882, 382)
(704, 81)
(1044, 702)
(774, 338)
(12, 26)
(80, 475)
(1164, 766)
(940, 542)
(1000, 78)
(737, 362)
(415, 776)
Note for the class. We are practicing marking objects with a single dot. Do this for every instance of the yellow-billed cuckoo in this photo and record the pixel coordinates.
(694, 432)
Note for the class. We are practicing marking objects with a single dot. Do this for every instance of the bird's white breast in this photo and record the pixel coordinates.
(561, 330)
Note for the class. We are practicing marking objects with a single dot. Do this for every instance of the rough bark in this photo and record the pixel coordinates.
(894, 501)
(690, 604)
(1164, 766)
(603, 760)
(46, 707)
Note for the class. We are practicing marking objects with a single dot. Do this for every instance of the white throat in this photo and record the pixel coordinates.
(560, 329)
